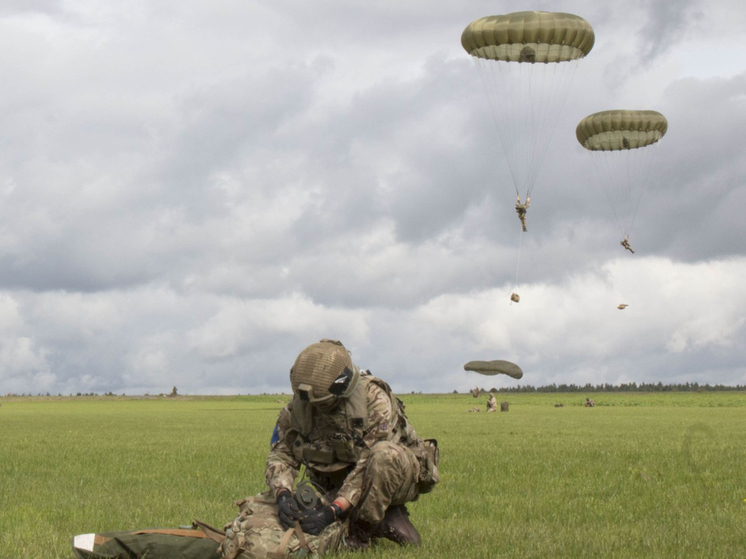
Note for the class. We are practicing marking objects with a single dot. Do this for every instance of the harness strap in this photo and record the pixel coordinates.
(280, 553)
(175, 532)
(301, 536)
(213, 533)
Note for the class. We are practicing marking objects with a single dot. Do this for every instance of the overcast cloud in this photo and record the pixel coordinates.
(192, 192)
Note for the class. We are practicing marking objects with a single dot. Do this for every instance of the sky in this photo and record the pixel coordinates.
(192, 192)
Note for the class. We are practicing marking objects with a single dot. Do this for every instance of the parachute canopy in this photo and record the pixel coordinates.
(614, 140)
(621, 130)
(494, 368)
(526, 61)
(533, 37)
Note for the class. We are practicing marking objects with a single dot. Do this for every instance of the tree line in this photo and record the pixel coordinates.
(624, 387)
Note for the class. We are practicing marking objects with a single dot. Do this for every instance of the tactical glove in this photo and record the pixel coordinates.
(314, 521)
(289, 511)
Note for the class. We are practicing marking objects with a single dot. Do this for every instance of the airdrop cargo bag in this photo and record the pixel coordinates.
(257, 534)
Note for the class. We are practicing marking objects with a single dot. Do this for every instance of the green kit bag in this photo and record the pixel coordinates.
(154, 543)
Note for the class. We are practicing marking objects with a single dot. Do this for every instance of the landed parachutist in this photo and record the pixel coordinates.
(625, 244)
(520, 209)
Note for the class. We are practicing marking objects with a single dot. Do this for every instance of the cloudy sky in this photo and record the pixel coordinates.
(191, 192)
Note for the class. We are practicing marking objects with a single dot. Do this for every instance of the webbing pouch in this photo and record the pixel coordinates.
(428, 456)
(318, 455)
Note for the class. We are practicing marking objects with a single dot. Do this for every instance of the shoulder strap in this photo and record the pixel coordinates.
(356, 407)
(282, 548)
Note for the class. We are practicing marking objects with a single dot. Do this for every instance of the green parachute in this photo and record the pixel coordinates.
(622, 145)
(526, 61)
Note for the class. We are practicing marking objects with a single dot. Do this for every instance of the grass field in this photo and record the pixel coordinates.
(639, 475)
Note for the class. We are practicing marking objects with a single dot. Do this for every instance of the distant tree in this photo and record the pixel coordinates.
(628, 387)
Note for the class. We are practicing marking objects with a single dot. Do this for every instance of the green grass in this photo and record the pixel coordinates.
(639, 475)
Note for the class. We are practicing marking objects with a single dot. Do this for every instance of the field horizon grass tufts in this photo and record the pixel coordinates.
(639, 475)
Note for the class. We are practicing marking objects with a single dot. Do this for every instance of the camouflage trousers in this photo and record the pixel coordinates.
(391, 476)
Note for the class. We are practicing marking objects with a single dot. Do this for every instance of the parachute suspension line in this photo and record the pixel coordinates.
(643, 162)
(628, 194)
(492, 74)
(500, 74)
(602, 162)
(524, 101)
(544, 75)
(517, 266)
(533, 122)
(550, 83)
(488, 70)
(626, 179)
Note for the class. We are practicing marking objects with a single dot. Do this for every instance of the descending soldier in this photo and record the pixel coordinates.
(625, 243)
(520, 209)
(492, 403)
(351, 433)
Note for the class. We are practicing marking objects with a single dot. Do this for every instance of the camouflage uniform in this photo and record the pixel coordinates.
(362, 449)
(521, 209)
(492, 403)
(625, 244)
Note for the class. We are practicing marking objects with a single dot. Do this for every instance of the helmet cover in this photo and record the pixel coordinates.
(323, 372)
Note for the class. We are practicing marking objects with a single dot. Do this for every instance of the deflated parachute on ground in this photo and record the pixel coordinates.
(497, 367)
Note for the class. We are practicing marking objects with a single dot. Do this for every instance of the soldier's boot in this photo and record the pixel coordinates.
(397, 527)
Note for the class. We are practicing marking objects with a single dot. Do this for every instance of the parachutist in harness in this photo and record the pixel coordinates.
(521, 208)
(625, 244)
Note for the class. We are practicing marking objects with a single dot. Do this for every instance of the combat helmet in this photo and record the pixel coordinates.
(324, 372)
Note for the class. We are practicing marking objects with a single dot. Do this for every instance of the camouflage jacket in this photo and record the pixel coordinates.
(338, 439)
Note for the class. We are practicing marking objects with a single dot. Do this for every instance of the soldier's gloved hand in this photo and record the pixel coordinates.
(289, 511)
(314, 521)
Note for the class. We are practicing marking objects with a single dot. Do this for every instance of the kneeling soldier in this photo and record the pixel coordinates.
(352, 435)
